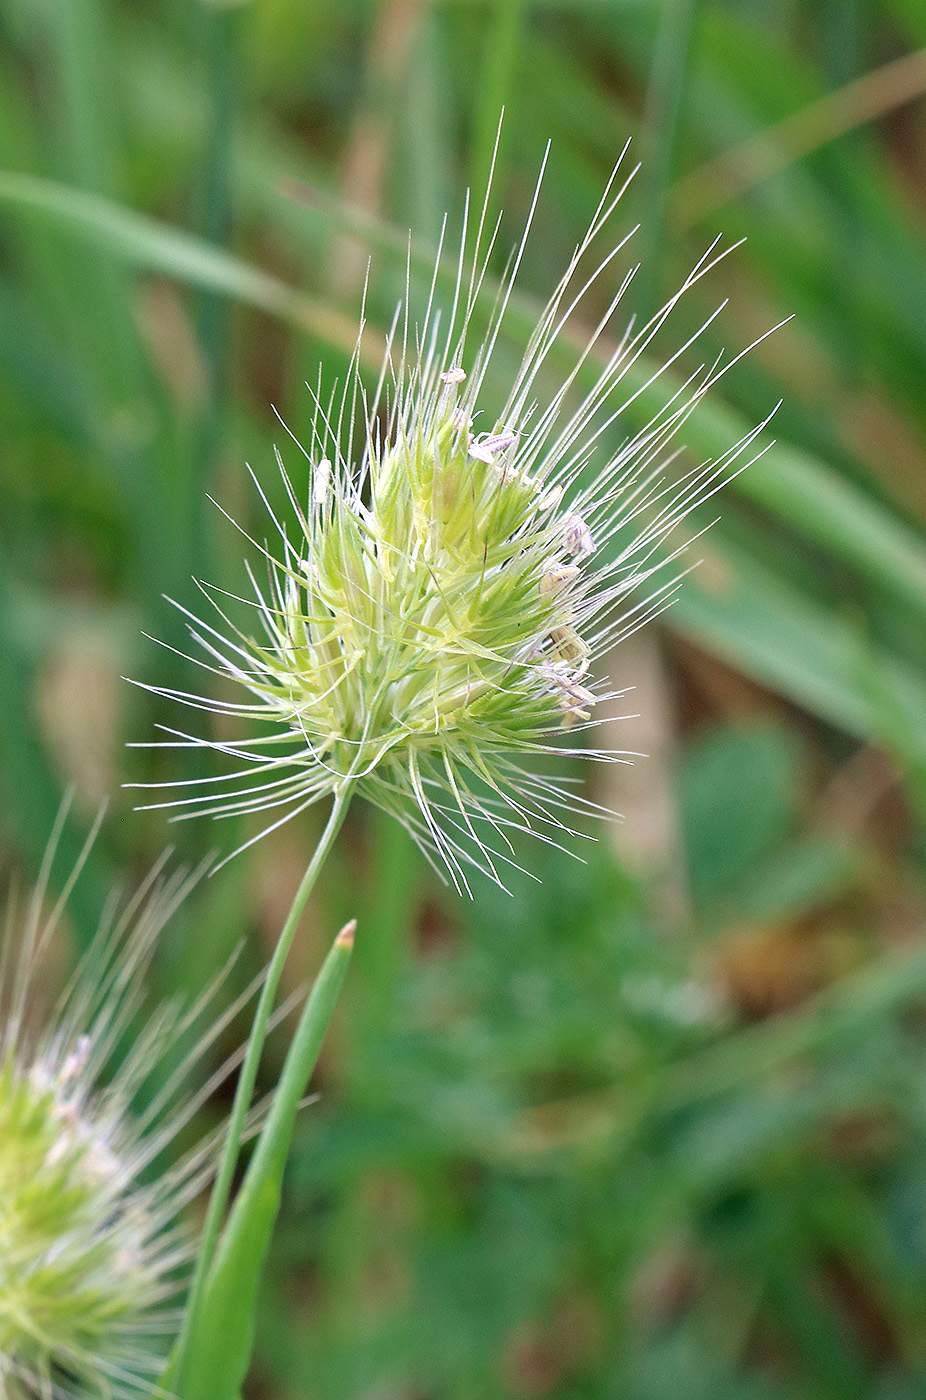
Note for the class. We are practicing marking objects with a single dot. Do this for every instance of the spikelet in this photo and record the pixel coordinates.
(433, 610)
(93, 1250)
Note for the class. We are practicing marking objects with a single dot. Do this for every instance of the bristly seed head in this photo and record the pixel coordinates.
(92, 1252)
(429, 623)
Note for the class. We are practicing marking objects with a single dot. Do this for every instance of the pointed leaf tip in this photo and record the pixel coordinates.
(345, 938)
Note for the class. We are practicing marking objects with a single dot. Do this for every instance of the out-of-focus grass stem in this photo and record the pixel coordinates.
(221, 42)
(664, 99)
(841, 54)
(494, 86)
(733, 173)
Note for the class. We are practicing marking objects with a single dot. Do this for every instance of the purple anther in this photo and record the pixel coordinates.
(577, 537)
(488, 448)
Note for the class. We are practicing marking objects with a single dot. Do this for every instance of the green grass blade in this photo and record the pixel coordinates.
(664, 99)
(502, 49)
(158, 247)
(820, 503)
(219, 1348)
(745, 613)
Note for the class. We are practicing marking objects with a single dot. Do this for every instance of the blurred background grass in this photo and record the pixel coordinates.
(655, 1128)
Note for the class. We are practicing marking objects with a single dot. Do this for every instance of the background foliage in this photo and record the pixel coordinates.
(655, 1127)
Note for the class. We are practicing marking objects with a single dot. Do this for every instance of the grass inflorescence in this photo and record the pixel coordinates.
(93, 1248)
(431, 620)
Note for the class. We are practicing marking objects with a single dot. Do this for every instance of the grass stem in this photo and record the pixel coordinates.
(246, 1080)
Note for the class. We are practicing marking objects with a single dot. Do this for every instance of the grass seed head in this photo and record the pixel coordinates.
(432, 611)
(92, 1251)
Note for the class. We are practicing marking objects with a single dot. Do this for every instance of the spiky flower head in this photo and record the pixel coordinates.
(434, 607)
(92, 1245)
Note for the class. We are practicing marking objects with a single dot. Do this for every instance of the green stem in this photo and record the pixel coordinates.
(222, 45)
(499, 63)
(664, 95)
(244, 1092)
